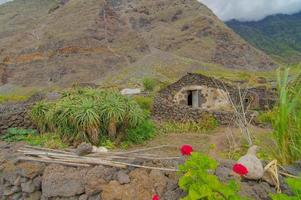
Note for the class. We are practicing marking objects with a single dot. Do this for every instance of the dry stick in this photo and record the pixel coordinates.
(92, 162)
(46, 149)
(52, 161)
(132, 157)
(147, 149)
(41, 153)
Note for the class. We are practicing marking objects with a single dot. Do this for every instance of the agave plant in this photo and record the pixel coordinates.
(113, 111)
(134, 114)
(85, 114)
(38, 114)
(86, 117)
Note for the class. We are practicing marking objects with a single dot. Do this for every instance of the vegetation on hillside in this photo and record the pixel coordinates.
(90, 115)
(278, 35)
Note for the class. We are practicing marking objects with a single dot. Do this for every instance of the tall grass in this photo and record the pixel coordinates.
(287, 122)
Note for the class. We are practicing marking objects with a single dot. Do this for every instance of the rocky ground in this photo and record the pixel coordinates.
(33, 181)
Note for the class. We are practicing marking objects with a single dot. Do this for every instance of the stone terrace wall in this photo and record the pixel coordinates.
(15, 116)
(164, 110)
(35, 181)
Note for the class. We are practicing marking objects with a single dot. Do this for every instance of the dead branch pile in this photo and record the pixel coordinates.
(113, 159)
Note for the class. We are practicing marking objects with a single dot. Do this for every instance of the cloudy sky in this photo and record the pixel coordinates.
(3, 1)
(249, 10)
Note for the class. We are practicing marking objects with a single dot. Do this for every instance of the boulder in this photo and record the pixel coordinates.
(30, 169)
(123, 178)
(84, 149)
(34, 196)
(63, 181)
(28, 187)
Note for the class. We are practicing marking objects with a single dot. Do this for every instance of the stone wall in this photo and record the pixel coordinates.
(15, 116)
(38, 181)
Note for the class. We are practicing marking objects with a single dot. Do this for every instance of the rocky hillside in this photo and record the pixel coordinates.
(277, 35)
(47, 43)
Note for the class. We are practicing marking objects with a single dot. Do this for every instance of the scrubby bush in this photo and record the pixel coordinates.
(267, 117)
(149, 84)
(146, 103)
(87, 114)
(200, 183)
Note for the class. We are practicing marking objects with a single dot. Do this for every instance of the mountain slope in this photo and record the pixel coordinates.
(59, 42)
(277, 35)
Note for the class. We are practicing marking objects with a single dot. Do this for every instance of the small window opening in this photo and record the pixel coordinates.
(193, 99)
(189, 98)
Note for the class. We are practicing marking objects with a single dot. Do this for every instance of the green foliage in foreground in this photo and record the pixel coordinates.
(287, 122)
(207, 124)
(47, 140)
(200, 183)
(88, 115)
(295, 186)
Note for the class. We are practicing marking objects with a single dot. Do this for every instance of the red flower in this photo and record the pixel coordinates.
(186, 150)
(155, 197)
(240, 169)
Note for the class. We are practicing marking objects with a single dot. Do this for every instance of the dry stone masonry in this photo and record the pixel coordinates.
(195, 96)
(38, 181)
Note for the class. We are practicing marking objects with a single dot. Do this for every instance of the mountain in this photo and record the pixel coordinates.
(48, 43)
(277, 35)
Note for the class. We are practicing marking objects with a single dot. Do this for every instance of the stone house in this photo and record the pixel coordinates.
(195, 95)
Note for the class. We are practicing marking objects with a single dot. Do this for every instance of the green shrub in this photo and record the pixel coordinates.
(200, 183)
(287, 122)
(149, 84)
(17, 134)
(295, 186)
(88, 114)
(267, 117)
(48, 140)
(141, 133)
(146, 103)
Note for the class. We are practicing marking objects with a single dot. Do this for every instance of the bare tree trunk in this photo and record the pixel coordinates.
(94, 136)
(112, 129)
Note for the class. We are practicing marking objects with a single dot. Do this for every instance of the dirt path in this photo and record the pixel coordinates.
(215, 143)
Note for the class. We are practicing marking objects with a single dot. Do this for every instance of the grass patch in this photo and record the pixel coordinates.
(47, 140)
(12, 98)
(207, 124)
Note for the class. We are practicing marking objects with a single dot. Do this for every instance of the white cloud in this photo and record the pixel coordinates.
(4, 1)
(249, 10)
